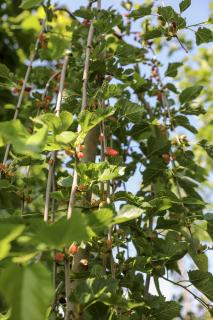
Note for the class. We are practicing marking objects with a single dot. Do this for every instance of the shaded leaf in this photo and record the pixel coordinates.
(154, 33)
(172, 69)
(34, 287)
(168, 13)
(203, 35)
(128, 212)
(190, 94)
(8, 233)
(28, 4)
(203, 281)
(5, 72)
(185, 4)
(141, 12)
(207, 147)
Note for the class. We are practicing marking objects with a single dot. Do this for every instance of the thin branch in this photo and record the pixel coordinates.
(52, 77)
(181, 44)
(21, 96)
(185, 288)
(54, 153)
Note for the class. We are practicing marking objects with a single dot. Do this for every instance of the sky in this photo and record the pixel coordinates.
(198, 12)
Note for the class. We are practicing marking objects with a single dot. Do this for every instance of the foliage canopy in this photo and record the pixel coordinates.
(87, 106)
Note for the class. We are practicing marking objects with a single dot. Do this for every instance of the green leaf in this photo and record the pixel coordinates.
(154, 33)
(24, 143)
(128, 53)
(35, 143)
(203, 35)
(168, 13)
(209, 219)
(98, 172)
(94, 288)
(184, 5)
(65, 181)
(85, 13)
(190, 94)
(130, 110)
(130, 198)
(192, 109)
(170, 248)
(8, 233)
(184, 122)
(5, 316)
(54, 123)
(161, 309)
(28, 4)
(66, 120)
(11, 132)
(88, 120)
(63, 232)
(100, 220)
(200, 259)
(203, 281)
(4, 184)
(171, 87)
(141, 12)
(128, 212)
(58, 45)
(207, 147)
(28, 290)
(66, 138)
(173, 69)
(162, 203)
(5, 72)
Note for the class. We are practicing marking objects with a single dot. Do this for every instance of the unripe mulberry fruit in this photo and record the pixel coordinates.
(59, 256)
(80, 155)
(111, 152)
(73, 249)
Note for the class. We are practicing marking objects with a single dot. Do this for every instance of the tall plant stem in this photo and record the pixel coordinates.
(67, 288)
(21, 96)
(83, 107)
(54, 153)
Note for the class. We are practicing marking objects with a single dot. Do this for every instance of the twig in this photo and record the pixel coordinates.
(54, 153)
(192, 293)
(52, 77)
(181, 44)
(21, 96)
